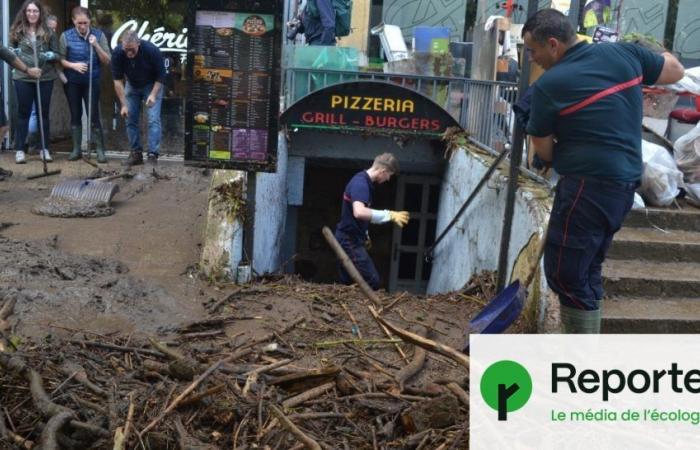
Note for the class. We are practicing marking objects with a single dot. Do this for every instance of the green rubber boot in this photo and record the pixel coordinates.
(77, 135)
(578, 321)
(99, 145)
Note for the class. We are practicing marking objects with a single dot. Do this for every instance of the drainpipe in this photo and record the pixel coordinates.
(516, 157)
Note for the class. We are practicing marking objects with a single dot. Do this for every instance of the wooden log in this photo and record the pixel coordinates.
(350, 267)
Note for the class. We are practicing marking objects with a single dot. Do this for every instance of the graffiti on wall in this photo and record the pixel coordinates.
(646, 17)
(687, 40)
(409, 14)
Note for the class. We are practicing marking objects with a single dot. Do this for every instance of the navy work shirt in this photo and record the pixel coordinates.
(359, 189)
(601, 138)
(146, 68)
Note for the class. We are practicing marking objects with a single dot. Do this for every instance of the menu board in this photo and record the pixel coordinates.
(234, 90)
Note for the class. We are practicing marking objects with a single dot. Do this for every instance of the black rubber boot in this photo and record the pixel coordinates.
(77, 135)
(134, 159)
(99, 145)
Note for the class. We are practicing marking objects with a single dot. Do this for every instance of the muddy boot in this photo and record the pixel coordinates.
(77, 135)
(135, 159)
(579, 321)
(99, 145)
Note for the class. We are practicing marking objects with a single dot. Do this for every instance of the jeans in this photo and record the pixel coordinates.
(134, 97)
(355, 248)
(33, 121)
(586, 214)
(77, 94)
(26, 97)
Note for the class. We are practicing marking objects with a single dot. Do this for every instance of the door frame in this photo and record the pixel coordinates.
(417, 285)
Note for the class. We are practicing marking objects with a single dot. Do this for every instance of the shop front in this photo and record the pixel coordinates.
(162, 24)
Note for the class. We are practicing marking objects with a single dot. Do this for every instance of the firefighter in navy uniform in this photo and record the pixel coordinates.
(586, 120)
(356, 215)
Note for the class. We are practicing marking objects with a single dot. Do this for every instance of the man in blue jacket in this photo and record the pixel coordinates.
(141, 64)
(320, 30)
(586, 121)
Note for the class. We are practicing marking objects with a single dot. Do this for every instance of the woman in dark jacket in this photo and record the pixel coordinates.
(74, 46)
(27, 34)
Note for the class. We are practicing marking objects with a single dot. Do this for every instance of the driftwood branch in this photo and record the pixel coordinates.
(300, 435)
(425, 343)
(416, 364)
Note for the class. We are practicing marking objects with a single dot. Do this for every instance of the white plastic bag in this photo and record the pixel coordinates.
(689, 83)
(661, 179)
(638, 202)
(686, 151)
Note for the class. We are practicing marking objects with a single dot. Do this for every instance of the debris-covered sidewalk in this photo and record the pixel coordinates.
(278, 364)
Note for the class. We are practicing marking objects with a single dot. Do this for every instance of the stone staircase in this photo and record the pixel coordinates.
(652, 277)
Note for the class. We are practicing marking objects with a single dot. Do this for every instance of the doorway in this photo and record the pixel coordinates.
(419, 195)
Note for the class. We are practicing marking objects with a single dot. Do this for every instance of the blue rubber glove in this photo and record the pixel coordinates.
(49, 56)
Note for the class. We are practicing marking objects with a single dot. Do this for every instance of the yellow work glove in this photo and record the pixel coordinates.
(400, 218)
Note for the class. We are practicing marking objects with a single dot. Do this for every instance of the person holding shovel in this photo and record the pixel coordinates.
(9, 57)
(83, 51)
(36, 46)
(356, 215)
(142, 65)
(586, 121)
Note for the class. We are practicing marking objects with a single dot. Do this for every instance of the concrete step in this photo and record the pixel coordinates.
(656, 245)
(687, 218)
(651, 279)
(651, 315)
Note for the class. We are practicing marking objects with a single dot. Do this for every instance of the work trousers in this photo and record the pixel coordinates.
(586, 214)
(355, 248)
(77, 94)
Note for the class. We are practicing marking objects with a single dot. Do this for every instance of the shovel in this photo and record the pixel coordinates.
(46, 171)
(507, 305)
(99, 190)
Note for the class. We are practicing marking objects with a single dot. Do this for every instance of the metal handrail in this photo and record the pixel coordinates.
(483, 108)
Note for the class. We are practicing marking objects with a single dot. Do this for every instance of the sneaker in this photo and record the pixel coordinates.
(152, 159)
(44, 154)
(20, 157)
(134, 159)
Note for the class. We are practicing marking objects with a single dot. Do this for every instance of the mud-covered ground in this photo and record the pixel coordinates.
(94, 296)
(125, 272)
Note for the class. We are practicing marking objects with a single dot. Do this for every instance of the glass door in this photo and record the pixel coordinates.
(419, 195)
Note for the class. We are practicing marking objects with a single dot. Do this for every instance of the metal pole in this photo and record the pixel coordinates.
(5, 18)
(516, 156)
(574, 9)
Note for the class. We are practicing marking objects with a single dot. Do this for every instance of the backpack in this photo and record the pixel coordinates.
(343, 15)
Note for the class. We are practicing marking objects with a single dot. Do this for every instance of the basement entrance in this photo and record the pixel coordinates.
(397, 253)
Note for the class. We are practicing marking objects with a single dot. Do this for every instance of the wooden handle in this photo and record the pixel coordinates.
(350, 267)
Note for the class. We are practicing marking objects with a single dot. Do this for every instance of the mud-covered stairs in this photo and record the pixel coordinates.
(652, 274)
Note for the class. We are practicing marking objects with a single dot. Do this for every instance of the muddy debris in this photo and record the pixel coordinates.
(68, 207)
(58, 289)
(277, 364)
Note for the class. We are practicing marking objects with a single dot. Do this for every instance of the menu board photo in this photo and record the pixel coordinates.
(234, 102)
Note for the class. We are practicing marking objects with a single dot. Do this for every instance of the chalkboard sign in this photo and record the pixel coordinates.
(233, 103)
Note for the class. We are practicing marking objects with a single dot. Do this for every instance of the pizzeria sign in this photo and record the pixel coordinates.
(373, 107)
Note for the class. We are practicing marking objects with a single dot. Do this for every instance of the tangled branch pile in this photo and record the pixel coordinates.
(330, 377)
